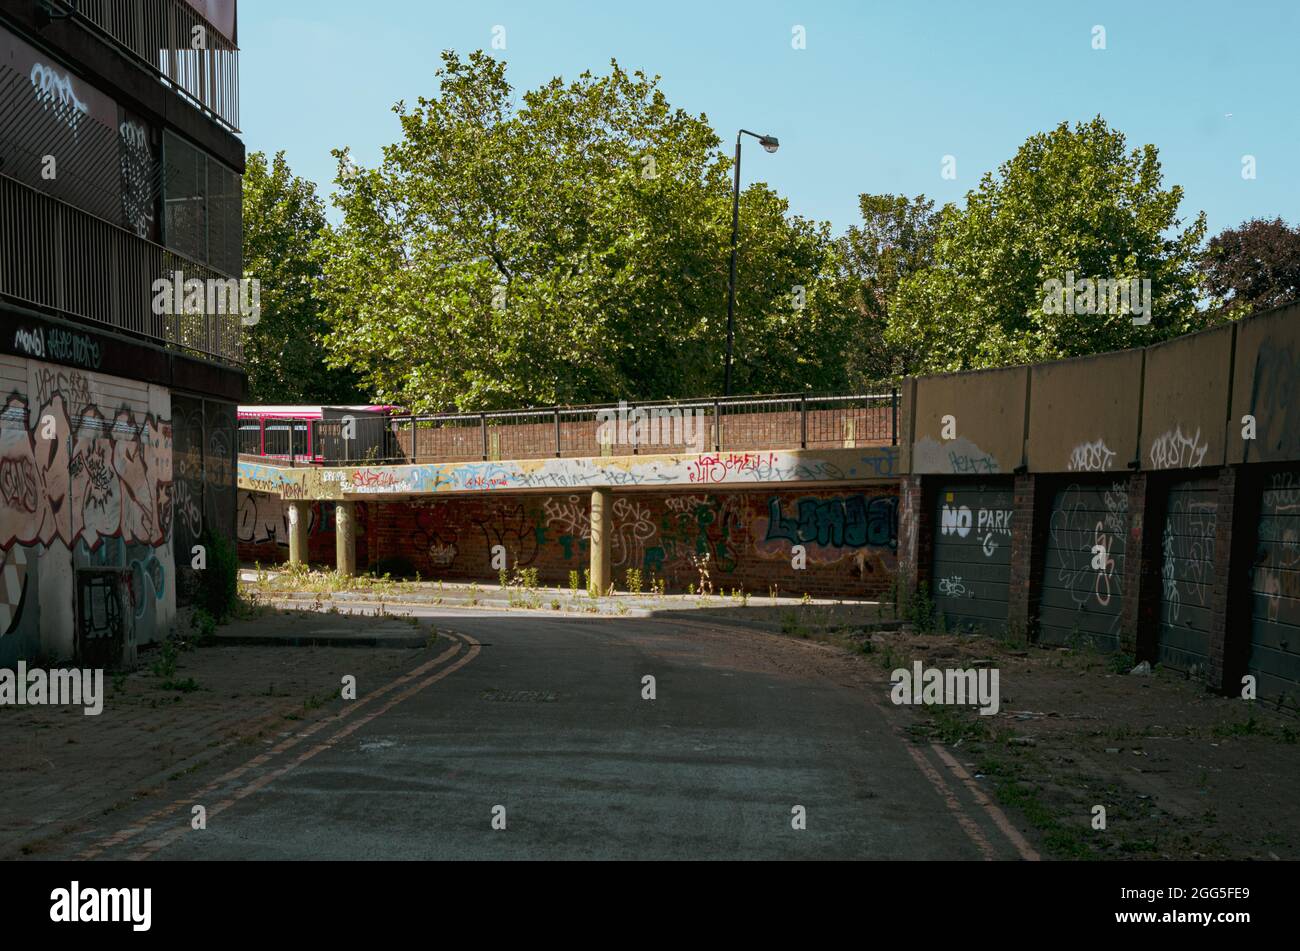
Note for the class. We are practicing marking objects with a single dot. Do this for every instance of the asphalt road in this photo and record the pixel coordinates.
(540, 720)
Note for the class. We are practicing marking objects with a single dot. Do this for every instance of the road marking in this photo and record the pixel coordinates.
(1026, 851)
(142, 825)
(150, 848)
(969, 826)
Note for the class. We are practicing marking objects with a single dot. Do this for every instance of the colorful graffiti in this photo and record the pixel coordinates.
(86, 482)
(718, 469)
(745, 535)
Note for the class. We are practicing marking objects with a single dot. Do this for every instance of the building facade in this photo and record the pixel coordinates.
(120, 178)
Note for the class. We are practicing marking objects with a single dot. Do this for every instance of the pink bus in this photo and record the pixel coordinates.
(288, 432)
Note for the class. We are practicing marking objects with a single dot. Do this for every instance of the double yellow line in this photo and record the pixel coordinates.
(352, 718)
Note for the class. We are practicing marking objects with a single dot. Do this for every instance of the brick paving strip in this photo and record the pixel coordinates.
(244, 790)
(65, 773)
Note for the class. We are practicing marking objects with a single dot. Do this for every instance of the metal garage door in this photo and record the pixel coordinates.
(1187, 573)
(1275, 622)
(1081, 604)
(972, 555)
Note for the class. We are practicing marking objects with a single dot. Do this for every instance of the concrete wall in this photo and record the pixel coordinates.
(85, 493)
(1146, 517)
(1185, 401)
(1266, 385)
(1083, 413)
(988, 413)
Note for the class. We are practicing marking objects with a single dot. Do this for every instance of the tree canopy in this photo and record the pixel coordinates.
(284, 352)
(1073, 203)
(1254, 266)
(570, 246)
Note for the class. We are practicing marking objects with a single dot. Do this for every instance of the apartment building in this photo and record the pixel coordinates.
(120, 173)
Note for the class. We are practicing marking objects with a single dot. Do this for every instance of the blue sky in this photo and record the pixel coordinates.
(881, 93)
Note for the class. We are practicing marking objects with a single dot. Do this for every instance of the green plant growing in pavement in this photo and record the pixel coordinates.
(205, 624)
(573, 582)
(164, 667)
(218, 582)
(633, 581)
(501, 576)
(921, 609)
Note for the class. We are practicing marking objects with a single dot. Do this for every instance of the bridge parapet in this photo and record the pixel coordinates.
(698, 470)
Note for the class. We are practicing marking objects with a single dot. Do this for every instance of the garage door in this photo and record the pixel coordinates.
(1187, 573)
(972, 555)
(1275, 622)
(1081, 594)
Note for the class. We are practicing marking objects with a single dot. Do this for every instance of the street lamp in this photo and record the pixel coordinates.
(770, 143)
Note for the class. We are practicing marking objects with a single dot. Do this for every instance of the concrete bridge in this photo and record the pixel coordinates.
(1145, 501)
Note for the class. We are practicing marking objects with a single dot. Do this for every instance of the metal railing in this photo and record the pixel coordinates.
(163, 35)
(58, 257)
(722, 424)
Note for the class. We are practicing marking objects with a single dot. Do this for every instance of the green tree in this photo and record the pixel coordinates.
(1071, 202)
(567, 246)
(895, 240)
(284, 353)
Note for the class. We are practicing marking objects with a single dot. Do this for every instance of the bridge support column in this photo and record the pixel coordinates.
(299, 520)
(602, 533)
(345, 538)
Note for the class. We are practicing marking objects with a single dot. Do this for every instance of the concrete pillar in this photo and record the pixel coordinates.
(299, 520)
(345, 538)
(602, 534)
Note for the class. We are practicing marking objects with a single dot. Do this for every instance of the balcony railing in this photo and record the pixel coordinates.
(163, 34)
(59, 258)
(724, 424)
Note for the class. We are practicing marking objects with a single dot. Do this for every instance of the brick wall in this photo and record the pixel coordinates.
(850, 537)
(1031, 501)
(263, 531)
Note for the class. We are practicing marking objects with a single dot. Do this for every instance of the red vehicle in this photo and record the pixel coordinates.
(289, 432)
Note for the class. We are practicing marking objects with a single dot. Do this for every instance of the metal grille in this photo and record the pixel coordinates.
(672, 427)
(60, 258)
(162, 33)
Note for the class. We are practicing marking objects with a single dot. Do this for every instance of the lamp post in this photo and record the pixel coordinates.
(770, 143)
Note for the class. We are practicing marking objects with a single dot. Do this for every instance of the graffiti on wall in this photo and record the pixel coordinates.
(661, 536)
(1277, 572)
(1093, 456)
(1187, 553)
(1086, 544)
(1177, 450)
(711, 469)
(86, 482)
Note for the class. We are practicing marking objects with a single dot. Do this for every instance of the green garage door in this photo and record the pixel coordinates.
(972, 555)
(1275, 625)
(1081, 603)
(1187, 573)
